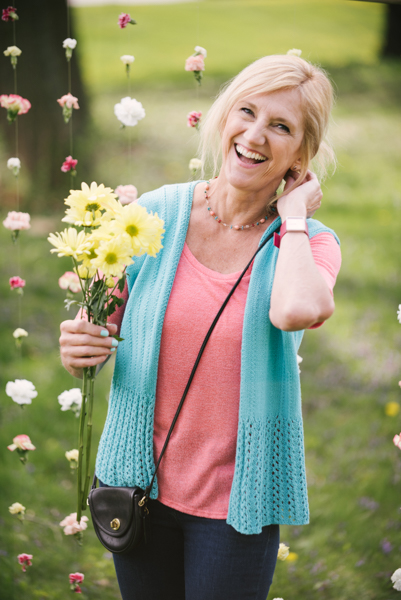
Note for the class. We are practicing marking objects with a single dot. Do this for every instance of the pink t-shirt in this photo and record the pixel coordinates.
(196, 473)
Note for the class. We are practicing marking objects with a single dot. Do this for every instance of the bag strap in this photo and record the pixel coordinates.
(148, 489)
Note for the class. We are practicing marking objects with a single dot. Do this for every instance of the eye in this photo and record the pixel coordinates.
(246, 110)
(283, 127)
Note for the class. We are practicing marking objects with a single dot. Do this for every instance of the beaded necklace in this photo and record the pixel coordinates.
(236, 227)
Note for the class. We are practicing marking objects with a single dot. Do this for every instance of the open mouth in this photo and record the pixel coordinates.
(248, 157)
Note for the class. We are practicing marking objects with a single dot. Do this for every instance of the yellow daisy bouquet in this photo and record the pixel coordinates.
(102, 238)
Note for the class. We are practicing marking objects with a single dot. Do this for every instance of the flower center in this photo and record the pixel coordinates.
(132, 230)
(92, 206)
(111, 258)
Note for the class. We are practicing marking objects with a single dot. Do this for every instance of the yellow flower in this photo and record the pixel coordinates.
(292, 557)
(392, 409)
(110, 282)
(144, 230)
(87, 204)
(72, 455)
(17, 509)
(283, 552)
(113, 256)
(69, 243)
(84, 272)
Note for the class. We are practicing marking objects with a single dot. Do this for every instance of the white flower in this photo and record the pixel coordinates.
(13, 163)
(71, 400)
(69, 43)
(19, 333)
(283, 552)
(72, 455)
(127, 59)
(17, 509)
(129, 111)
(278, 598)
(21, 391)
(201, 50)
(396, 579)
(195, 164)
(399, 313)
(294, 52)
(299, 360)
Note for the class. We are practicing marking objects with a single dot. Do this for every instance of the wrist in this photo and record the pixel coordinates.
(292, 224)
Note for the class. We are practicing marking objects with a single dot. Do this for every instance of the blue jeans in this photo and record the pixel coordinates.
(195, 558)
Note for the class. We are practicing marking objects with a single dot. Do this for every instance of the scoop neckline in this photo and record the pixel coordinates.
(210, 272)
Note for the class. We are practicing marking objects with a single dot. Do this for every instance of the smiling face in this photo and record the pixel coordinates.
(262, 140)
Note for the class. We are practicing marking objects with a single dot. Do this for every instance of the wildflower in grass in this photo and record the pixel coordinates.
(368, 503)
(21, 391)
(392, 409)
(283, 552)
(69, 44)
(16, 283)
(69, 165)
(9, 14)
(126, 193)
(396, 580)
(125, 19)
(194, 165)
(13, 52)
(14, 164)
(386, 546)
(399, 313)
(75, 579)
(72, 527)
(129, 111)
(193, 119)
(16, 222)
(397, 440)
(69, 243)
(86, 205)
(113, 256)
(70, 281)
(143, 230)
(294, 52)
(71, 400)
(72, 457)
(68, 102)
(15, 105)
(292, 557)
(22, 444)
(18, 334)
(17, 509)
(25, 560)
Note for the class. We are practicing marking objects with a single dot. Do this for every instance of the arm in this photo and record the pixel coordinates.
(300, 295)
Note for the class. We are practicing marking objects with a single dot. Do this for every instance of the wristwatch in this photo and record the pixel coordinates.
(291, 225)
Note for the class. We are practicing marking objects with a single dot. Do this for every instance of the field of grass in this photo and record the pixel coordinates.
(350, 366)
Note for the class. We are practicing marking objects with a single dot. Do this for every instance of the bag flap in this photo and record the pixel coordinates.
(113, 509)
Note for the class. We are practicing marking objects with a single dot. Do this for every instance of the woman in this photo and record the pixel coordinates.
(234, 467)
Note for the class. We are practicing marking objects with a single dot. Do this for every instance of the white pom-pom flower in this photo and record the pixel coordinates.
(129, 111)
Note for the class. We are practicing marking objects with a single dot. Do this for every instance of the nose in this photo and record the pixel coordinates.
(255, 133)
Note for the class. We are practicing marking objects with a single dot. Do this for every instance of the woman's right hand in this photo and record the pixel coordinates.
(83, 345)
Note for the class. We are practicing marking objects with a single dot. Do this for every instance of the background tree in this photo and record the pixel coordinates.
(42, 78)
(392, 34)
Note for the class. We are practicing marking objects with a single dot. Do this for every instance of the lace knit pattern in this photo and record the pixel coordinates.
(269, 483)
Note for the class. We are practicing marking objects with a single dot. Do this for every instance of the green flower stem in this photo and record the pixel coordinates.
(91, 375)
(81, 441)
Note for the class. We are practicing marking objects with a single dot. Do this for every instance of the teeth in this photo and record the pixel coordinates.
(247, 154)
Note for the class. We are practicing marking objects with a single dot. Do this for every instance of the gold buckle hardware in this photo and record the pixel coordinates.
(115, 524)
(142, 501)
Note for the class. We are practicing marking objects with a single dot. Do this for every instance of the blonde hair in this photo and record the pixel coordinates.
(271, 74)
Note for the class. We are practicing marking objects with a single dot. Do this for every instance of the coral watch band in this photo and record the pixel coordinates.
(291, 225)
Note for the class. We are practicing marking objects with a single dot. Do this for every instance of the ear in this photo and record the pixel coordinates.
(296, 166)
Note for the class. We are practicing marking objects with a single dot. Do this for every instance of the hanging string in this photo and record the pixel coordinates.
(70, 131)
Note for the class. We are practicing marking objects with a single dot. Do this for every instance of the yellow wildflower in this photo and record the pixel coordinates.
(283, 552)
(113, 256)
(87, 204)
(292, 557)
(392, 409)
(144, 230)
(69, 243)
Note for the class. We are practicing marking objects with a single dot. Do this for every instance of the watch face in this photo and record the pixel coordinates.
(295, 224)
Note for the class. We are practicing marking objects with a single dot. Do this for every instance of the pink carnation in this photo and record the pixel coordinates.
(193, 118)
(15, 105)
(71, 525)
(195, 63)
(16, 282)
(126, 193)
(397, 440)
(21, 442)
(9, 14)
(75, 579)
(17, 220)
(25, 560)
(70, 281)
(69, 164)
(68, 100)
(124, 19)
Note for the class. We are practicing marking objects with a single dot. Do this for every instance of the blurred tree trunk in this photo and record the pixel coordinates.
(392, 35)
(42, 78)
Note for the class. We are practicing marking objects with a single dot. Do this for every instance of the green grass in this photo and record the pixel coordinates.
(351, 365)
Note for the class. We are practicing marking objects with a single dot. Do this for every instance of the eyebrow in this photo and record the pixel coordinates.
(281, 119)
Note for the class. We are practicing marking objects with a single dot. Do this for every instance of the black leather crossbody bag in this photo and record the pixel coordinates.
(119, 514)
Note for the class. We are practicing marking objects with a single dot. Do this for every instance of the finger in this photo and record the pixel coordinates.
(76, 339)
(80, 363)
(112, 327)
(84, 327)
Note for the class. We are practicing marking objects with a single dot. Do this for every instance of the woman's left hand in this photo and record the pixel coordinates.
(304, 200)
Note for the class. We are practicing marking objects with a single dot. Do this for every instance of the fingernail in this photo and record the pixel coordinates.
(112, 349)
(104, 333)
(114, 343)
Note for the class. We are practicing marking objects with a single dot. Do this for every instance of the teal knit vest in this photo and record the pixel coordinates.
(269, 483)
